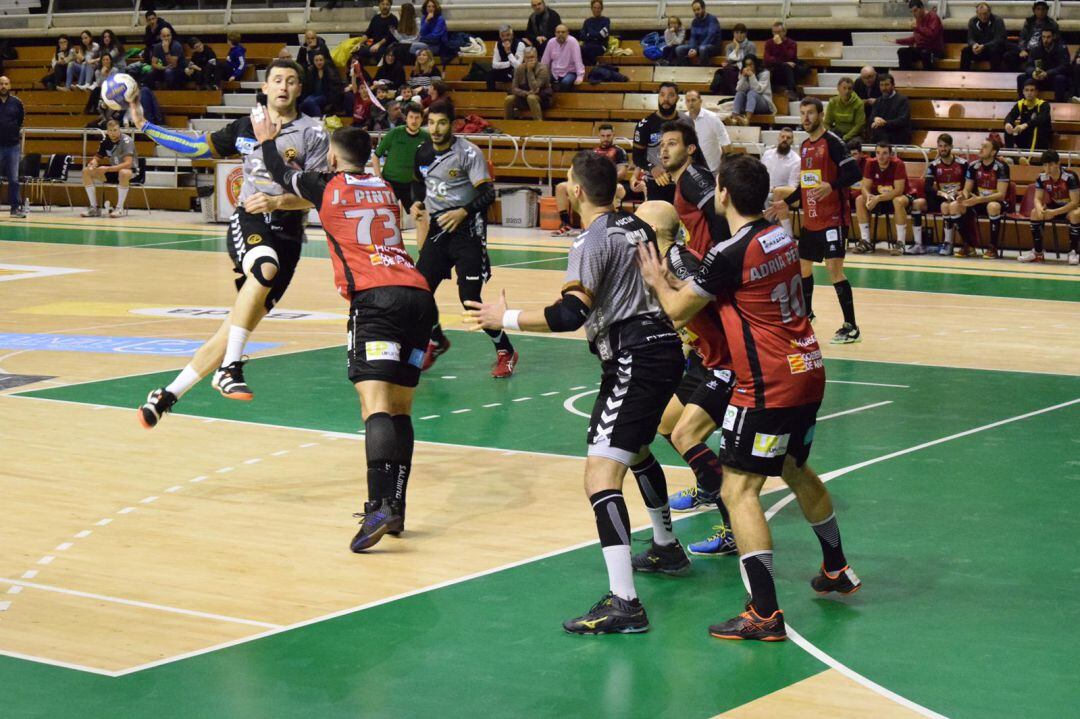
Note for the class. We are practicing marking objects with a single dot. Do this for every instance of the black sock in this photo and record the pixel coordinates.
(710, 475)
(564, 217)
(995, 231)
(437, 335)
(808, 294)
(380, 444)
(847, 301)
(403, 429)
(1036, 236)
(916, 218)
(759, 575)
(1074, 237)
(832, 551)
(501, 340)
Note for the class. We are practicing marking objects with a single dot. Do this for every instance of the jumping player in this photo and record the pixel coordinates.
(451, 194)
(641, 360)
(944, 180)
(118, 150)
(827, 172)
(1057, 194)
(780, 380)
(391, 309)
(265, 233)
(986, 183)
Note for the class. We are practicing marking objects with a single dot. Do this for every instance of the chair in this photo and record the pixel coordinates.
(56, 173)
(1024, 213)
(138, 180)
(30, 179)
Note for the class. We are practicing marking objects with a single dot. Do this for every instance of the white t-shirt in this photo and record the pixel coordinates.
(783, 169)
(712, 135)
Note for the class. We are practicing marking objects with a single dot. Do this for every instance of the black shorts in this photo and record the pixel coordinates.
(982, 209)
(692, 378)
(713, 393)
(885, 207)
(820, 245)
(635, 388)
(112, 178)
(654, 191)
(758, 440)
(464, 250)
(402, 191)
(934, 202)
(389, 329)
(284, 234)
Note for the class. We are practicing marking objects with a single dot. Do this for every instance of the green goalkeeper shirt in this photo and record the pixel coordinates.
(398, 150)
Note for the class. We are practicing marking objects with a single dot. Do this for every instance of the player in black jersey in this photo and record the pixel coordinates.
(647, 134)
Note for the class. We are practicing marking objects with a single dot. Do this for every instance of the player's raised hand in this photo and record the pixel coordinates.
(261, 124)
(135, 110)
(481, 316)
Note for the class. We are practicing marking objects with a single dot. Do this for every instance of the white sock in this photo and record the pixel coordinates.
(121, 198)
(620, 572)
(917, 230)
(184, 381)
(238, 337)
(864, 231)
(786, 224)
(91, 192)
(901, 234)
(661, 525)
(949, 230)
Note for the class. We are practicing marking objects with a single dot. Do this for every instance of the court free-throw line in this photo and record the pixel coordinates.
(867, 384)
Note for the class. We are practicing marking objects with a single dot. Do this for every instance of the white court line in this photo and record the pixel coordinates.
(867, 384)
(141, 605)
(57, 663)
(854, 410)
(532, 262)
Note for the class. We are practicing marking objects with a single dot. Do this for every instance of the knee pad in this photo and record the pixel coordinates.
(262, 264)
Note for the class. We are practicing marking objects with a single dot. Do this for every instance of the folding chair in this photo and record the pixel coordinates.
(138, 181)
(30, 179)
(57, 174)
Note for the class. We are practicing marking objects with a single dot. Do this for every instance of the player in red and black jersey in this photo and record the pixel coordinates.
(1057, 194)
(827, 172)
(607, 148)
(885, 187)
(391, 314)
(943, 181)
(780, 379)
(986, 184)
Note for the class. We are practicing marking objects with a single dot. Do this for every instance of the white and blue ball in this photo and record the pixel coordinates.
(118, 90)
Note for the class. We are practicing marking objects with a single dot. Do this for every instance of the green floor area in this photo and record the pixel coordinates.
(962, 546)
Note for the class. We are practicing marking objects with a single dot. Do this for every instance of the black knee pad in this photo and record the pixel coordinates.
(258, 261)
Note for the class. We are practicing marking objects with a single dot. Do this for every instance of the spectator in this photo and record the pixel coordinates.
(736, 51)
(782, 60)
(392, 69)
(646, 150)
(425, 70)
(1057, 195)
(62, 57)
(508, 54)
(674, 35)
(407, 31)
(439, 90)
(11, 122)
(408, 97)
(433, 31)
(783, 166)
(1049, 66)
(167, 62)
(379, 33)
(362, 107)
(152, 33)
(91, 58)
(202, 67)
(753, 92)
(884, 188)
(312, 45)
(105, 69)
(530, 89)
(611, 151)
(541, 25)
(890, 118)
(236, 62)
(845, 114)
(704, 40)
(395, 155)
(111, 46)
(595, 33)
(394, 116)
(867, 88)
(926, 44)
(1027, 126)
(563, 59)
(713, 139)
(322, 93)
(1030, 36)
(985, 39)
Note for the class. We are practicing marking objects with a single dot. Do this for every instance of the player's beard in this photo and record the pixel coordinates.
(813, 128)
(667, 109)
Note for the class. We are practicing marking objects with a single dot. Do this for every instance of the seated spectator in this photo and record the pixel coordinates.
(674, 35)
(322, 94)
(394, 116)
(408, 30)
(845, 114)
(868, 88)
(236, 63)
(439, 90)
(312, 45)
(425, 70)
(1027, 126)
(736, 52)
(783, 166)
(105, 69)
(152, 33)
(111, 46)
(704, 40)
(926, 44)
(1057, 194)
(890, 118)
(782, 60)
(392, 68)
(63, 56)
(202, 67)
(985, 39)
(884, 189)
(595, 33)
(379, 34)
(508, 54)
(409, 97)
(530, 89)
(362, 108)
(1049, 66)
(753, 92)
(563, 58)
(541, 26)
(87, 58)
(168, 62)
(1016, 56)
(433, 32)
(713, 138)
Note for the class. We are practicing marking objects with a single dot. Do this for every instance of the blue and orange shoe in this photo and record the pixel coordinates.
(844, 581)
(689, 499)
(720, 543)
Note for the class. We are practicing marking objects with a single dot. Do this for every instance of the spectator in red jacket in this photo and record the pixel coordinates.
(782, 59)
(928, 41)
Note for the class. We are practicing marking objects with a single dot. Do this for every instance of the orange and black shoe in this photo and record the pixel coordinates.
(434, 349)
(229, 381)
(751, 625)
(844, 581)
(991, 253)
(505, 364)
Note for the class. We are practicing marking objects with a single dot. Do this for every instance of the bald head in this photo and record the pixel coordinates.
(662, 217)
(561, 33)
(5, 85)
(868, 75)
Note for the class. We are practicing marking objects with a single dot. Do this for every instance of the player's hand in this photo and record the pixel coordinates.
(822, 191)
(261, 124)
(652, 268)
(450, 220)
(417, 210)
(480, 316)
(260, 203)
(138, 119)
(872, 202)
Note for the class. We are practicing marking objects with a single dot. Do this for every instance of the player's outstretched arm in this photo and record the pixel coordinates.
(565, 315)
(679, 300)
(195, 145)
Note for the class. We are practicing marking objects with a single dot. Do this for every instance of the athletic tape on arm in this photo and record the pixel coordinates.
(195, 146)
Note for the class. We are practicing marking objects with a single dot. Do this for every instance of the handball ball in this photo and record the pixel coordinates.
(118, 90)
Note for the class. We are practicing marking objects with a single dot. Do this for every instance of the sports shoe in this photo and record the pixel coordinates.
(118, 212)
(91, 212)
(844, 581)
(563, 231)
(18, 214)
(229, 380)
(434, 349)
(611, 615)
(660, 559)
(751, 625)
(897, 250)
(915, 250)
(720, 543)
(967, 252)
(991, 253)
(378, 518)
(1031, 256)
(945, 250)
(1074, 257)
(157, 404)
(505, 363)
(846, 335)
(689, 499)
(863, 248)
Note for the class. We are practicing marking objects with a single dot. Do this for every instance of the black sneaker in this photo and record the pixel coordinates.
(844, 581)
(847, 334)
(229, 380)
(157, 404)
(751, 625)
(611, 615)
(669, 559)
(378, 518)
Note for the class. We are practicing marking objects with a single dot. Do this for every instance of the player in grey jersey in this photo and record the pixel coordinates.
(115, 164)
(641, 361)
(265, 233)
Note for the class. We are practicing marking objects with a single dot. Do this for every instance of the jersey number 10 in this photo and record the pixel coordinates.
(375, 227)
(791, 303)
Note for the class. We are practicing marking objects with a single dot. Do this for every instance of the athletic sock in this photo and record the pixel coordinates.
(901, 235)
(501, 340)
(950, 228)
(916, 226)
(1074, 237)
(832, 552)
(653, 485)
(1036, 235)
(995, 231)
(788, 228)
(758, 571)
(121, 197)
(847, 301)
(403, 431)
(380, 445)
(564, 217)
(710, 474)
(437, 335)
(864, 232)
(808, 294)
(184, 381)
(91, 194)
(238, 337)
(613, 527)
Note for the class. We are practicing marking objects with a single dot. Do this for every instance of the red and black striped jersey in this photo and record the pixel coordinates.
(705, 332)
(1058, 190)
(826, 161)
(987, 177)
(695, 195)
(947, 177)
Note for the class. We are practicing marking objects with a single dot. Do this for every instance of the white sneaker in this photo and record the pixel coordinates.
(118, 212)
(1074, 258)
(1030, 256)
(945, 250)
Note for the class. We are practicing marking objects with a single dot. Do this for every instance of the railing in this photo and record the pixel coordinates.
(551, 141)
